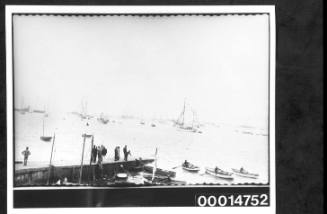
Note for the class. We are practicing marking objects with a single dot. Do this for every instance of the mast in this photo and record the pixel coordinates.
(183, 113)
(91, 168)
(193, 119)
(53, 140)
(81, 169)
(155, 165)
(43, 127)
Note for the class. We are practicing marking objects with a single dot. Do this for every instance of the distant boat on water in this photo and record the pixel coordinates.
(23, 110)
(39, 111)
(43, 137)
(103, 119)
(83, 114)
(187, 120)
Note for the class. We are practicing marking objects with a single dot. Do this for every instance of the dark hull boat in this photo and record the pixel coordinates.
(46, 138)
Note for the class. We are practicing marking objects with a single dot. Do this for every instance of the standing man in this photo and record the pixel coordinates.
(94, 154)
(117, 153)
(126, 153)
(26, 153)
(100, 159)
(103, 150)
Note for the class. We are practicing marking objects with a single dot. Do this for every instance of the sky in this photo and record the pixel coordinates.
(145, 66)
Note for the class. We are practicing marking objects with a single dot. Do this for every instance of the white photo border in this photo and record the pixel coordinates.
(94, 10)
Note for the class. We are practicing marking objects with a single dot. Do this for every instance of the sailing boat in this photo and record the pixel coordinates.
(43, 137)
(103, 119)
(187, 120)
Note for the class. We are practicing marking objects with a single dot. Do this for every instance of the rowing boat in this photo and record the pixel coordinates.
(121, 176)
(219, 174)
(191, 168)
(245, 174)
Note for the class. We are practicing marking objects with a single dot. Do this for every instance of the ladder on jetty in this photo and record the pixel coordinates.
(82, 159)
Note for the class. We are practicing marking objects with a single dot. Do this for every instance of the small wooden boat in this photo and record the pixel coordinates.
(161, 180)
(121, 176)
(46, 138)
(190, 167)
(245, 174)
(219, 173)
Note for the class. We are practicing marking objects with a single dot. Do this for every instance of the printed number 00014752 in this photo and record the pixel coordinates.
(232, 200)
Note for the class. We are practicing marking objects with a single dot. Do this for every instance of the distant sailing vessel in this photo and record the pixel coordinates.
(23, 110)
(103, 119)
(187, 120)
(83, 114)
(43, 137)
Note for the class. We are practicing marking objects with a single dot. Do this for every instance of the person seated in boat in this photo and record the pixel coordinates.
(216, 169)
(242, 170)
(186, 163)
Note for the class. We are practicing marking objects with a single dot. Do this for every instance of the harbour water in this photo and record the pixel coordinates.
(225, 146)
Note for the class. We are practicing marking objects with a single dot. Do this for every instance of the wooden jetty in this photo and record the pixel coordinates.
(45, 175)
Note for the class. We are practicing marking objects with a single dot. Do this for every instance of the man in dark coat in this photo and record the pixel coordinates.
(117, 153)
(126, 153)
(26, 153)
(94, 154)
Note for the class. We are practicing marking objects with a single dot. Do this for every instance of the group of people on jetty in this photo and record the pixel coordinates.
(97, 154)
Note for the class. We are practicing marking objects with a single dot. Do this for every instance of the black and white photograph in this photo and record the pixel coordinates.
(130, 98)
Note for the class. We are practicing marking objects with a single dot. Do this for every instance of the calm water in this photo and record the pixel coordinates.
(224, 146)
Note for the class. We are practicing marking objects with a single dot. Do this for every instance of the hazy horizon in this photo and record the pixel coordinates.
(145, 66)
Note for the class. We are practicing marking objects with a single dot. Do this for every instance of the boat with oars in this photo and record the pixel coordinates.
(219, 173)
(103, 119)
(190, 167)
(243, 173)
